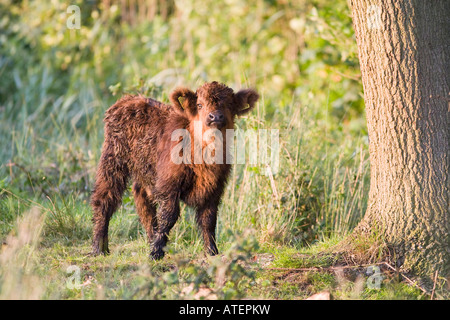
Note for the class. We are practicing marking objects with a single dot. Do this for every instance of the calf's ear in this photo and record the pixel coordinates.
(245, 101)
(188, 100)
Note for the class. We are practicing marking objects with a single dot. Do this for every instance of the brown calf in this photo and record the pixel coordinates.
(139, 144)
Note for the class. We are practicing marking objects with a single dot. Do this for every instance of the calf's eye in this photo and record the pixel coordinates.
(199, 106)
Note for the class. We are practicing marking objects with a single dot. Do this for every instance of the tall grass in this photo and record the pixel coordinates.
(18, 259)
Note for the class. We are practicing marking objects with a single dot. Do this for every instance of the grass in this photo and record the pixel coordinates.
(66, 271)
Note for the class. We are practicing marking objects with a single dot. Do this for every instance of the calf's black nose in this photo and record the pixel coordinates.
(216, 116)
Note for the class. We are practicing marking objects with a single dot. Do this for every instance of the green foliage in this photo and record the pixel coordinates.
(221, 277)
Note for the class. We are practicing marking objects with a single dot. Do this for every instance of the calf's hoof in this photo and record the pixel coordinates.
(100, 248)
(157, 254)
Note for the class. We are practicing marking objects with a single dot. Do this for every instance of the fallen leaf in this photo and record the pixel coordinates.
(324, 295)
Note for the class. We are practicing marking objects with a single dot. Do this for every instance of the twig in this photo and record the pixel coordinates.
(434, 285)
(407, 279)
(273, 185)
(324, 268)
(355, 77)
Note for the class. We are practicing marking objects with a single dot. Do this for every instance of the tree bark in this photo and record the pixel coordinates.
(403, 53)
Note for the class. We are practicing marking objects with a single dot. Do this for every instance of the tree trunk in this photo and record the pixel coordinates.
(403, 52)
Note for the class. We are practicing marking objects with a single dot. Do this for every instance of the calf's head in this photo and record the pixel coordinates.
(214, 104)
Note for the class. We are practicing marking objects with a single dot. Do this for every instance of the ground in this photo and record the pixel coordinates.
(64, 269)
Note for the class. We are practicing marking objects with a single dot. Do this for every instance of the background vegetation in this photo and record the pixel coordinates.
(56, 83)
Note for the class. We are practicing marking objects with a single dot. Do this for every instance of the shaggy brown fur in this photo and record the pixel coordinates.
(138, 145)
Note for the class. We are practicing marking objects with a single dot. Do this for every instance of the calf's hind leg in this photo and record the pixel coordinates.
(146, 209)
(111, 181)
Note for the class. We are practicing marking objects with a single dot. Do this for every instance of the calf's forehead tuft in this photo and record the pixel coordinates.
(214, 91)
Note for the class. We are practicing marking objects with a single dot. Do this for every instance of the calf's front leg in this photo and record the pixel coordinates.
(207, 220)
(167, 216)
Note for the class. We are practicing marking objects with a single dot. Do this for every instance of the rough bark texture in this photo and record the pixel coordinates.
(403, 52)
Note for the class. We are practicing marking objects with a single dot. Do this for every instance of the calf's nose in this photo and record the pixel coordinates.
(216, 116)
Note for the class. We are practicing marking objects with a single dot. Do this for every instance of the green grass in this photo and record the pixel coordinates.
(244, 269)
